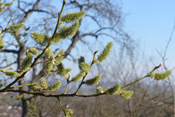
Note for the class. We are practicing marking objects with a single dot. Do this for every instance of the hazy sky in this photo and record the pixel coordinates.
(151, 22)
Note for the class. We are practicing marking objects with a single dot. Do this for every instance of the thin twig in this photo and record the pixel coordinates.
(148, 75)
(82, 82)
(61, 105)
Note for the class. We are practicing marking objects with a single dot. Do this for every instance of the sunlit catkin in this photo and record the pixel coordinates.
(105, 52)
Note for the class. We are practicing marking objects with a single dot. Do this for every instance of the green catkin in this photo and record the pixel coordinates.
(49, 65)
(85, 67)
(10, 73)
(1, 3)
(1, 41)
(8, 4)
(43, 83)
(152, 74)
(16, 27)
(69, 32)
(39, 37)
(78, 77)
(57, 38)
(25, 34)
(58, 60)
(54, 86)
(126, 94)
(18, 74)
(34, 88)
(99, 90)
(65, 71)
(61, 52)
(105, 52)
(68, 112)
(2, 47)
(48, 53)
(93, 81)
(27, 61)
(60, 69)
(113, 90)
(162, 76)
(59, 57)
(32, 110)
(18, 97)
(80, 60)
(73, 16)
(34, 51)
(2, 8)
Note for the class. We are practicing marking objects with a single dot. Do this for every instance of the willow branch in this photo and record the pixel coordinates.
(10, 51)
(61, 106)
(39, 56)
(82, 82)
(148, 75)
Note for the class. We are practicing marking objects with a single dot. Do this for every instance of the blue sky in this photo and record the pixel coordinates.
(151, 22)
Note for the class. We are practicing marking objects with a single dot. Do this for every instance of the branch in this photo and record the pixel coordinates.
(171, 35)
(159, 103)
(109, 28)
(75, 39)
(54, 95)
(10, 51)
(73, 94)
(61, 106)
(8, 65)
(38, 10)
(148, 75)
(20, 42)
(94, 20)
(88, 6)
(20, 7)
(82, 82)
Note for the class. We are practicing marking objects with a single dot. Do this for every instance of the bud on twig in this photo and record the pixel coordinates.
(59, 13)
(95, 52)
(160, 64)
(64, 2)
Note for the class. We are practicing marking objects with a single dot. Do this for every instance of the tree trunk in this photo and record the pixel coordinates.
(20, 60)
